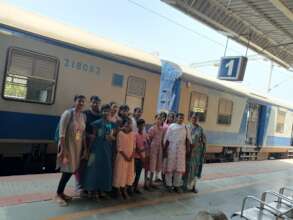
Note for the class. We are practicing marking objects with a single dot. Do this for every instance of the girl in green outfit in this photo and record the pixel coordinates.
(194, 158)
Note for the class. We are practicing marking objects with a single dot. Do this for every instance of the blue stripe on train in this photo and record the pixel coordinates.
(16, 125)
(278, 141)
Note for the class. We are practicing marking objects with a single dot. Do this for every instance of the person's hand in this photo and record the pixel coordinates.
(110, 137)
(85, 154)
(61, 146)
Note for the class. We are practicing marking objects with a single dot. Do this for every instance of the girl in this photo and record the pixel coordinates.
(98, 173)
(155, 134)
(70, 144)
(141, 140)
(124, 163)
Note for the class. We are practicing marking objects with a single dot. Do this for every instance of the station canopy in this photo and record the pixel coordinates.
(265, 26)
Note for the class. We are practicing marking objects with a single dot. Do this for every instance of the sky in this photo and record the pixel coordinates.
(157, 28)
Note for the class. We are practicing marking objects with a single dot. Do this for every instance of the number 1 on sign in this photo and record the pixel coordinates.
(230, 67)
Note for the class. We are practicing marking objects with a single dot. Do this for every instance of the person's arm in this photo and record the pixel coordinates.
(64, 122)
(120, 148)
(151, 133)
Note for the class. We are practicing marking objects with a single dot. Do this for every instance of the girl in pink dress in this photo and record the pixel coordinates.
(155, 134)
(124, 163)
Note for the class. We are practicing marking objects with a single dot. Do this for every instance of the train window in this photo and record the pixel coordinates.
(225, 110)
(280, 121)
(117, 80)
(198, 104)
(30, 76)
(135, 92)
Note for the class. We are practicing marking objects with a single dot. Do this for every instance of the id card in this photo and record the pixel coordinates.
(77, 136)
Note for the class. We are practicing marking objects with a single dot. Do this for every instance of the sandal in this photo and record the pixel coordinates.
(66, 197)
(61, 202)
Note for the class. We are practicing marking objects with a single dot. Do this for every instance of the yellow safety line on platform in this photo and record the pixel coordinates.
(120, 207)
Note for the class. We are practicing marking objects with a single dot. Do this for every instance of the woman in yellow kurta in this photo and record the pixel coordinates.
(124, 163)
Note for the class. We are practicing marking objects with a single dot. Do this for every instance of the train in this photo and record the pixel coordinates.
(44, 63)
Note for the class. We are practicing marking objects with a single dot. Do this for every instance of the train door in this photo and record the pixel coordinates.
(252, 124)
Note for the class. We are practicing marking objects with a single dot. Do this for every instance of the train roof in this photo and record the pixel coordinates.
(39, 25)
(42, 26)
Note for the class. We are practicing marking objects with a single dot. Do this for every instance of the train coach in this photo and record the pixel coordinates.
(44, 63)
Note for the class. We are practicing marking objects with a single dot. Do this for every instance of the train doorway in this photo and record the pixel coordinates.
(252, 124)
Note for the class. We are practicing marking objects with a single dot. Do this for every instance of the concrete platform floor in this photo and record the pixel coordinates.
(222, 187)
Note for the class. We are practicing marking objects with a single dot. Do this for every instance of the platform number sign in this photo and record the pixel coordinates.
(232, 68)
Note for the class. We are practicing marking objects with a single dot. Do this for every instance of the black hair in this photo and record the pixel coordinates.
(137, 109)
(157, 116)
(163, 114)
(140, 122)
(105, 107)
(172, 113)
(126, 120)
(95, 98)
(77, 97)
(123, 108)
(195, 114)
(179, 114)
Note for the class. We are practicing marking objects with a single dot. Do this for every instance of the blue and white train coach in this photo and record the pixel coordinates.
(44, 63)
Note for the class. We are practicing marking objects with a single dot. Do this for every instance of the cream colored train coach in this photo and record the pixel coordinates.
(44, 63)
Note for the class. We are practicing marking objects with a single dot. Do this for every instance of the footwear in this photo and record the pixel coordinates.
(130, 191)
(169, 189)
(147, 188)
(61, 202)
(194, 190)
(153, 186)
(137, 191)
(66, 197)
(178, 189)
(84, 194)
(101, 195)
(158, 181)
(124, 195)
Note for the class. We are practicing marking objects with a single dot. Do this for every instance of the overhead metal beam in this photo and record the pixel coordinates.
(256, 36)
(286, 11)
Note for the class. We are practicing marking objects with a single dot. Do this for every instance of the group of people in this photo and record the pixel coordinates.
(106, 148)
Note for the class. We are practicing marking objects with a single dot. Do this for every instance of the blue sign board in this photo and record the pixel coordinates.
(232, 68)
(169, 92)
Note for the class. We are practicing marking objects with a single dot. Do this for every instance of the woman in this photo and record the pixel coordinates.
(70, 144)
(176, 143)
(195, 158)
(113, 112)
(168, 120)
(98, 173)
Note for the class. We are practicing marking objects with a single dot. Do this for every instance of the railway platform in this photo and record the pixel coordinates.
(223, 187)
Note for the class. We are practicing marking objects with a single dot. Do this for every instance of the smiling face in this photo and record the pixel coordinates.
(95, 105)
(180, 119)
(79, 103)
(171, 118)
(114, 109)
(106, 109)
(137, 113)
(194, 119)
(127, 126)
